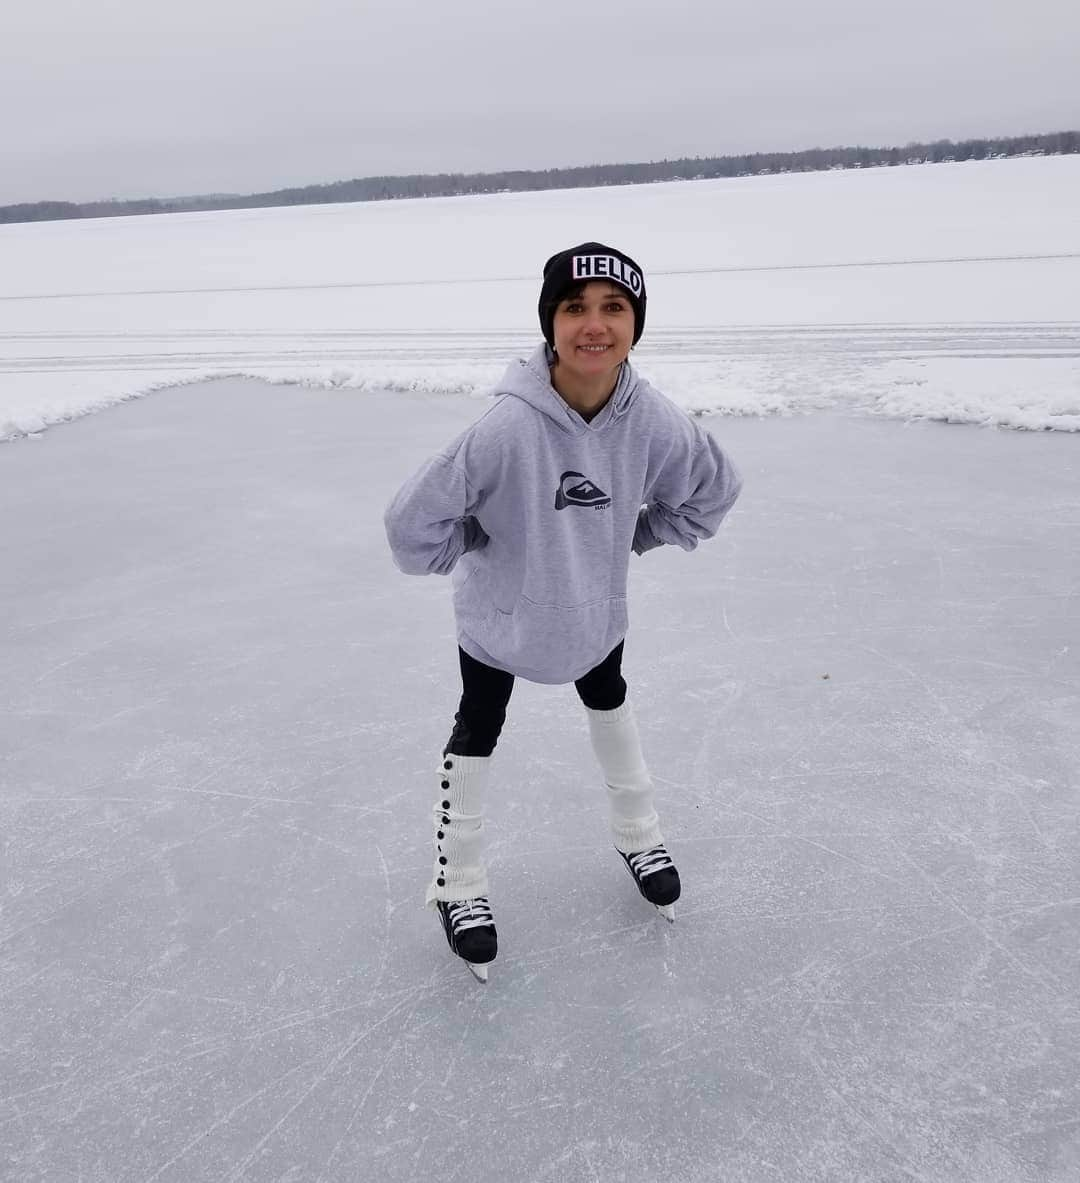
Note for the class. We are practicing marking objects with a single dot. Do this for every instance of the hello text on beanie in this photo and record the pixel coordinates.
(587, 267)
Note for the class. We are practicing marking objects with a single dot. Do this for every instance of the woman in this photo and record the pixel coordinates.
(535, 509)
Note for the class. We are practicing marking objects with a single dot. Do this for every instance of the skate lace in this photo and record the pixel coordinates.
(474, 913)
(648, 862)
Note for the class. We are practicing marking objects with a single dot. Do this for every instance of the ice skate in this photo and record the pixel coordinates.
(656, 878)
(470, 932)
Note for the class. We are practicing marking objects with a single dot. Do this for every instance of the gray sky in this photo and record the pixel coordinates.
(125, 98)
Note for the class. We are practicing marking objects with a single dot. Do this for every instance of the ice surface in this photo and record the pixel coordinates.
(945, 291)
(219, 703)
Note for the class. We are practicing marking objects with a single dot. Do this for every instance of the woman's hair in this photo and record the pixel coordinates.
(574, 292)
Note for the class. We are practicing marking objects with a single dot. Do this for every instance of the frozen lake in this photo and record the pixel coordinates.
(948, 292)
(219, 703)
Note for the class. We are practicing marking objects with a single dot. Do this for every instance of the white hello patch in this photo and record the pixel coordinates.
(588, 267)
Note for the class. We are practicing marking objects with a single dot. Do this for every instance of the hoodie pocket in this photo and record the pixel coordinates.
(556, 639)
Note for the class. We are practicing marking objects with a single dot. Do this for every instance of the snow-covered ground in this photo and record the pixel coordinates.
(945, 291)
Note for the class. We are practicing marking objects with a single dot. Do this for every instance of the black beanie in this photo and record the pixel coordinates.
(582, 264)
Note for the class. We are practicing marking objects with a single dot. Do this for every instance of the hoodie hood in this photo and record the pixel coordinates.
(529, 379)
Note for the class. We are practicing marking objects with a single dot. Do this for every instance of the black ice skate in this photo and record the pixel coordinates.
(656, 878)
(470, 931)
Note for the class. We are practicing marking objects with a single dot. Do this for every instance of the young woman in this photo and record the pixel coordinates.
(536, 509)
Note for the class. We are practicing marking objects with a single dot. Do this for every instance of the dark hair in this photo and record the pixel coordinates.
(572, 291)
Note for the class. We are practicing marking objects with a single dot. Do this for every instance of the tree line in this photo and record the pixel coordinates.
(582, 177)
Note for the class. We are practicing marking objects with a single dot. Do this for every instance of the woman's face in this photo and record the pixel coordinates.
(594, 330)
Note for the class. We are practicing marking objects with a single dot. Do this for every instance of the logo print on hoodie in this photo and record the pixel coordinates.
(575, 488)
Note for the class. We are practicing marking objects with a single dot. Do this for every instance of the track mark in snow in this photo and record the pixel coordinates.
(469, 281)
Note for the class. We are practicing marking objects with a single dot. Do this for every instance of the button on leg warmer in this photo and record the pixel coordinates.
(634, 823)
(459, 872)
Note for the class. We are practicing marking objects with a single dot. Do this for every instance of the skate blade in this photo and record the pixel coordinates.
(480, 972)
(667, 911)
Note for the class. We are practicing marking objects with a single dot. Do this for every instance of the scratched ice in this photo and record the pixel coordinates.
(219, 704)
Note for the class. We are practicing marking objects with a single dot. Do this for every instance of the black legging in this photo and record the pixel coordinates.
(486, 692)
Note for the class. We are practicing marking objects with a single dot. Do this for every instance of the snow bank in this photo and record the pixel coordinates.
(945, 292)
(1034, 394)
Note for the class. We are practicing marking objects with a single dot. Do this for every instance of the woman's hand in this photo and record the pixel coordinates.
(475, 538)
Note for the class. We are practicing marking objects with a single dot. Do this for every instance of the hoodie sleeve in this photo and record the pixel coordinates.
(693, 492)
(429, 523)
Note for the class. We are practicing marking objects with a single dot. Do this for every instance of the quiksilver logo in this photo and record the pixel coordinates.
(575, 488)
(608, 267)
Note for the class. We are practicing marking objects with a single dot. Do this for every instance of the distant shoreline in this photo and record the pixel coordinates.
(390, 188)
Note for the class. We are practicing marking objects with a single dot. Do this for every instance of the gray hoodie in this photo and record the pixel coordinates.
(536, 512)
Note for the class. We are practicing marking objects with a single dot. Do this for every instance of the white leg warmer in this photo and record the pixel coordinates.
(615, 741)
(459, 872)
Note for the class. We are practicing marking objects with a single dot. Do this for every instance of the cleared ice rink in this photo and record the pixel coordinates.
(219, 705)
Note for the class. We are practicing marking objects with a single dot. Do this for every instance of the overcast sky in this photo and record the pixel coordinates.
(128, 98)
